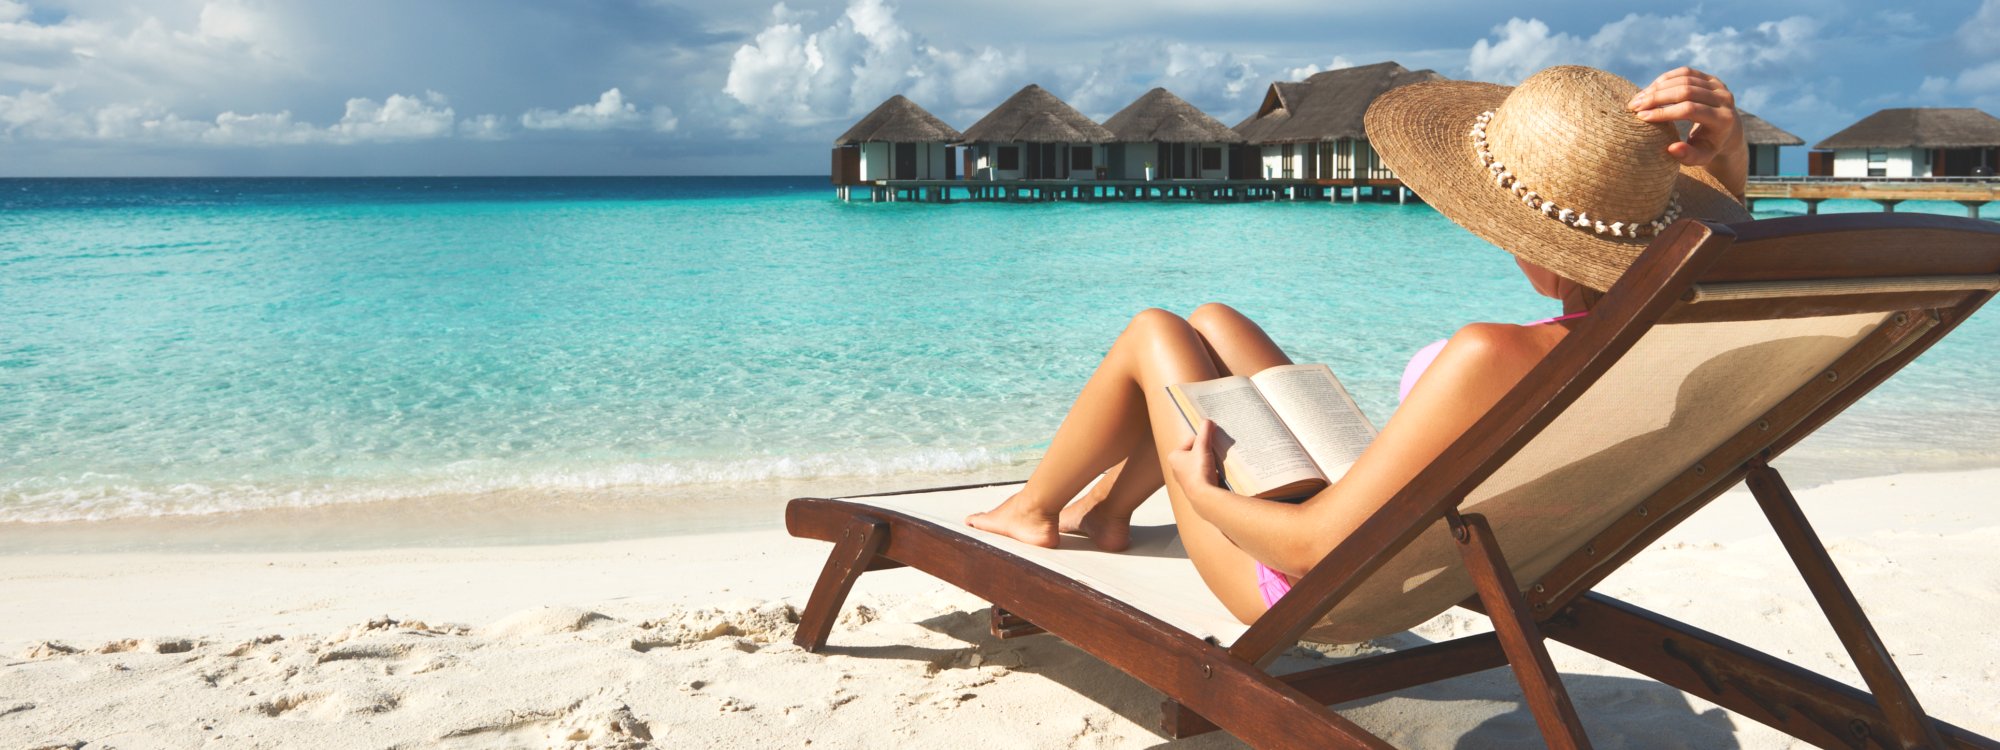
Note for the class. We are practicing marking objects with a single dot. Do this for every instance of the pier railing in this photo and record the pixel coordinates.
(1971, 192)
(1089, 190)
(1827, 180)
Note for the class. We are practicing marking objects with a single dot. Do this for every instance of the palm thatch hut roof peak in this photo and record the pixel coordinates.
(1920, 127)
(1327, 105)
(1756, 131)
(1033, 115)
(898, 120)
(1158, 116)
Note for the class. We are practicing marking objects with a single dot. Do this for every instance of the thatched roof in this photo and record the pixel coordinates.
(1760, 132)
(898, 120)
(1160, 117)
(1033, 115)
(1918, 128)
(1326, 106)
(1756, 131)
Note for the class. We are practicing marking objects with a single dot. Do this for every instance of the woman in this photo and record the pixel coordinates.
(1573, 172)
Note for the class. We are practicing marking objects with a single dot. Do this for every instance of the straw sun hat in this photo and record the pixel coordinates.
(1559, 173)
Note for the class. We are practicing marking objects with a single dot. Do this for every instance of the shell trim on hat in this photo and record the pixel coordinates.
(1506, 180)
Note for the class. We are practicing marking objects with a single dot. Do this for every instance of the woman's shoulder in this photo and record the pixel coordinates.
(1478, 344)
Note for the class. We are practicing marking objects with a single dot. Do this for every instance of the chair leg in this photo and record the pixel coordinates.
(1005, 625)
(857, 547)
(1899, 705)
(1519, 637)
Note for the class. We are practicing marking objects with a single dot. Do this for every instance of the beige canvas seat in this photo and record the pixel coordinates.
(1722, 347)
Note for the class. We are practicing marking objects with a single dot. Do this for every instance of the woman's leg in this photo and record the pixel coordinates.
(1239, 347)
(1122, 405)
(1108, 423)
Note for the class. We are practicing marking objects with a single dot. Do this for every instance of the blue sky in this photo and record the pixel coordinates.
(246, 87)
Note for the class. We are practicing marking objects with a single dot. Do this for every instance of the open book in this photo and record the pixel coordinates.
(1287, 432)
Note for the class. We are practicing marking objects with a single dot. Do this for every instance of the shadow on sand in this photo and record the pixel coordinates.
(1482, 710)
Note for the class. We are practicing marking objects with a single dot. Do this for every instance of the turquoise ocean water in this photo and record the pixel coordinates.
(173, 347)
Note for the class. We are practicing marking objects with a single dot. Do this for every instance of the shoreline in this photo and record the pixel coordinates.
(686, 637)
(524, 517)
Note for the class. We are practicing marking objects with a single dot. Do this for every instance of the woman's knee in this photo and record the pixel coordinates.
(1212, 316)
(1154, 320)
(1154, 328)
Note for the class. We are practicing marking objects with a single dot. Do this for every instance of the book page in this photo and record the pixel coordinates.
(1320, 413)
(1257, 452)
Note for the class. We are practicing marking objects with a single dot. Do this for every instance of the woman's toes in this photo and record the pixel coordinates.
(1031, 528)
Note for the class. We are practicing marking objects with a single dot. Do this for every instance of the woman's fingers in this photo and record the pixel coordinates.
(1677, 90)
(1683, 72)
(1721, 118)
(1683, 94)
(1194, 463)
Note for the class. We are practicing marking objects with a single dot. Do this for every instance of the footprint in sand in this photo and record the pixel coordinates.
(149, 646)
(598, 722)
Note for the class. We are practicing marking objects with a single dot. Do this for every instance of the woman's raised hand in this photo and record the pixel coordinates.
(1193, 463)
(1716, 140)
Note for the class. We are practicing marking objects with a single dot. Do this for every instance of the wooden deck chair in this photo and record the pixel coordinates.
(1720, 348)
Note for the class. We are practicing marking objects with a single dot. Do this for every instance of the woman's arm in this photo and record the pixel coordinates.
(1716, 141)
(1480, 365)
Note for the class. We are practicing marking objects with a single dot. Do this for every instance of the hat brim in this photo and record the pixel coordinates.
(1423, 131)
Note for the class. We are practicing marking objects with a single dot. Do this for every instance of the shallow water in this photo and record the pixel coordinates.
(175, 347)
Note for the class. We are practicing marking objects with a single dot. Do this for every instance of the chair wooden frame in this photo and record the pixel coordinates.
(1209, 687)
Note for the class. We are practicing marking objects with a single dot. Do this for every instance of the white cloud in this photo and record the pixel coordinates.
(1644, 43)
(398, 118)
(862, 57)
(1198, 74)
(1977, 84)
(610, 112)
(1980, 84)
(230, 42)
(483, 128)
(795, 74)
(1976, 35)
(40, 115)
(1301, 73)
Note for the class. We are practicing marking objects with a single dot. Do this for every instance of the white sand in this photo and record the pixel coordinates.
(684, 642)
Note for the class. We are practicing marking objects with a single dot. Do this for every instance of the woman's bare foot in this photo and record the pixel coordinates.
(1019, 519)
(1092, 517)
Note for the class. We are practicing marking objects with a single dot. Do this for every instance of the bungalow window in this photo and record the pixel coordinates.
(1878, 162)
(1211, 158)
(1079, 159)
(1009, 158)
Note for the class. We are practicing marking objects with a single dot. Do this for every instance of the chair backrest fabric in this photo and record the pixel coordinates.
(1677, 395)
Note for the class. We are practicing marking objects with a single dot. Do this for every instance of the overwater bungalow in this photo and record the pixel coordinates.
(1763, 138)
(1034, 136)
(897, 141)
(1176, 140)
(1311, 129)
(1911, 142)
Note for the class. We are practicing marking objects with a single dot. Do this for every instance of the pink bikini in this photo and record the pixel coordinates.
(1273, 584)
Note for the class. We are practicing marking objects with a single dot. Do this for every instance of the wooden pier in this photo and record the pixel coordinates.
(1971, 192)
(1095, 191)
